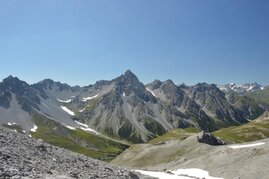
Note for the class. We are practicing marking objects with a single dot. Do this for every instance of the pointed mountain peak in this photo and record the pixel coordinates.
(129, 74)
(169, 82)
(128, 77)
(12, 80)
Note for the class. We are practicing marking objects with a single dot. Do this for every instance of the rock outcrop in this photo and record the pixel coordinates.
(209, 138)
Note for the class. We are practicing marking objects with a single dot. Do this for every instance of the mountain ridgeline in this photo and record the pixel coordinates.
(124, 108)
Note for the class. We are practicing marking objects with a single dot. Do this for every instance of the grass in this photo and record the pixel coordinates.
(252, 131)
(79, 141)
(177, 134)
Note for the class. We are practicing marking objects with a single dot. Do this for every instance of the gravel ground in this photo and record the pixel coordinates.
(24, 157)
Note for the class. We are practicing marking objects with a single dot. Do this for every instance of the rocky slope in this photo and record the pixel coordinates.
(24, 157)
(124, 108)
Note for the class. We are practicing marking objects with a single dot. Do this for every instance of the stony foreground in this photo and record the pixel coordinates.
(24, 157)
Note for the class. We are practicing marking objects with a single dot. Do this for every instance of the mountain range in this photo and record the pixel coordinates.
(124, 108)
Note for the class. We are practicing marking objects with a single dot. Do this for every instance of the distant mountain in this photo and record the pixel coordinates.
(248, 87)
(124, 108)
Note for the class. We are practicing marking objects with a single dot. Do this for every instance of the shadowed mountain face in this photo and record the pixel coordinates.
(125, 108)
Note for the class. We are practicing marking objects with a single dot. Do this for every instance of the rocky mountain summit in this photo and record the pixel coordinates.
(24, 157)
(244, 88)
(124, 108)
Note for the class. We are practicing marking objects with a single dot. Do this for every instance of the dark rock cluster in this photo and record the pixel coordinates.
(209, 138)
(22, 157)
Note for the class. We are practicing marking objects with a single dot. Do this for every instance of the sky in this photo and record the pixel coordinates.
(82, 41)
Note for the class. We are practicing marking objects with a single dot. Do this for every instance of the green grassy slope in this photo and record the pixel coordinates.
(177, 134)
(254, 130)
(79, 141)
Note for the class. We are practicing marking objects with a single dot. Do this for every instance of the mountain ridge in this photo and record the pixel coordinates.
(124, 108)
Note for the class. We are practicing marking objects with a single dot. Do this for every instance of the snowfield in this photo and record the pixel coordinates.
(246, 145)
(81, 124)
(89, 130)
(85, 127)
(82, 110)
(64, 101)
(179, 174)
(34, 128)
(151, 92)
(67, 110)
(89, 98)
(70, 127)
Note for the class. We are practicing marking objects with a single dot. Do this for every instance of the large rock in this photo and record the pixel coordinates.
(209, 138)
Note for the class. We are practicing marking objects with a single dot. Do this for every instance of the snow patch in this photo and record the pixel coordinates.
(34, 128)
(9, 124)
(151, 92)
(246, 145)
(30, 135)
(123, 94)
(64, 101)
(70, 127)
(89, 98)
(67, 110)
(24, 131)
(89, 130)
(85, 127)
(82, 110)
(81, 124)
(180, 174)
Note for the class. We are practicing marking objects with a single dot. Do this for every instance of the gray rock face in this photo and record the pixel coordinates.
(124, 108)
(24, 157)
(210, 139)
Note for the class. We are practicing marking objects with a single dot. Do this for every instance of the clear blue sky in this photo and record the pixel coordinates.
(80, 42)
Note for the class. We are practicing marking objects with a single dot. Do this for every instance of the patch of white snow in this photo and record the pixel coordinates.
(67, 110)
(151, 92)
(82, 110)
(123, 94)
(64, 101)
(89, 98)
(85, 127)
(89, 130)
(246, 145)
(180, 174)
(70, 127)
(81, 124)
(34, 128)
(9, 124)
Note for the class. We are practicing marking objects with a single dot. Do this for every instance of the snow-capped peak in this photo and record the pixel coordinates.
(243, 88)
